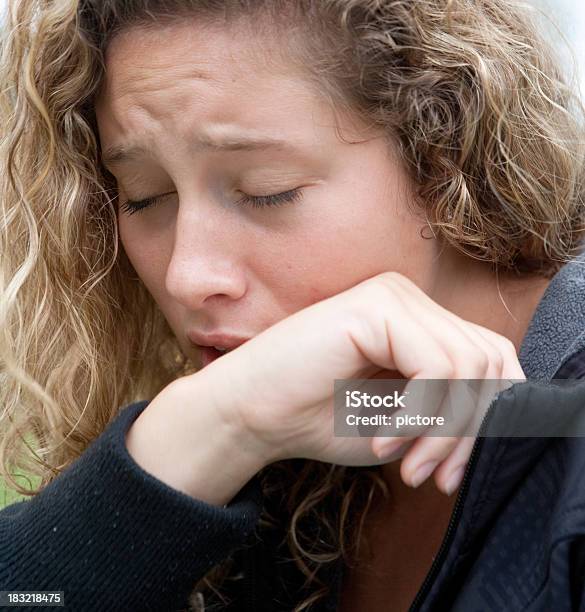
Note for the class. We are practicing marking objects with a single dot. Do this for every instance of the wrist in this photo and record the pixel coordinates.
(226, 401)
(193, 444)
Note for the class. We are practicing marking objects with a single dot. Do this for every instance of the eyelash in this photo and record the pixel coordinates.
(131, 207)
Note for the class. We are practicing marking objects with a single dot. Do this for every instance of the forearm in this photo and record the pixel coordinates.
(195, 446)
(112, 536)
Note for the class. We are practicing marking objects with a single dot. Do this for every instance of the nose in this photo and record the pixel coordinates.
(205, 264)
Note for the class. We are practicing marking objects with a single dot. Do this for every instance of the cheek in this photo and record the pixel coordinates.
(353, 232)
(146, 255)
(356, 232)
(130, 241)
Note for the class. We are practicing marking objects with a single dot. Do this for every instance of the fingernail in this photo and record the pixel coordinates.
(423, 472)
(389, 449)
(454, 480)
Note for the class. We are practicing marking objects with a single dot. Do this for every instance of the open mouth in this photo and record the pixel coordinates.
(211, 353)
(221, 350)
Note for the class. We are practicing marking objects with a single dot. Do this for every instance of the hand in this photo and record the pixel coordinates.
(279, 385)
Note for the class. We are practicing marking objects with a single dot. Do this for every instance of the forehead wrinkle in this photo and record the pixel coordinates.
(132, 112)
(262, 43)
(120, 154)
(155, 76)
(152, 81)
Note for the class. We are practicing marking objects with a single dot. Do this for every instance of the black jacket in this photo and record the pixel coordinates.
(113, 537)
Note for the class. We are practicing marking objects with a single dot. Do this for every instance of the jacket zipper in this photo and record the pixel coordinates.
(454, 521)
(445, 544)
(447, 539)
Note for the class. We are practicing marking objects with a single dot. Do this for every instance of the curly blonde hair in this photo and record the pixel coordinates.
(484, 121)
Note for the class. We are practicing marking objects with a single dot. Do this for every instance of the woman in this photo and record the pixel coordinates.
(328, 190)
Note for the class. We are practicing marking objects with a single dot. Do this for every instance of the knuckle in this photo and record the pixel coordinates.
(489, 358)
(391, 276)
(446, 369)
(497, 360)
(381, 288)
(508, 347)
(386, 280)
(470, 359)
(374, 292)
(503, 343)
(482, 359)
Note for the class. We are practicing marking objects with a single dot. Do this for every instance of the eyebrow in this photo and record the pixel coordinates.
(121, 154)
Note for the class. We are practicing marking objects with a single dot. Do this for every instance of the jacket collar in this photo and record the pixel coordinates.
(557, 330)
(553, 344)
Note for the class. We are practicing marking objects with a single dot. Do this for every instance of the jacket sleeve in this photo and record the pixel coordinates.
(113, 537)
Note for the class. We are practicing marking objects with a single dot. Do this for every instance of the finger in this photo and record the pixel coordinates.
(414, 352)
(431, 407)
(424, 399)
(463, 408)
(391, 449)
(431, 450)
(474, 354)
(511, 368)
(449, 474)
(501, 350)
(440, 407)
(424, 457)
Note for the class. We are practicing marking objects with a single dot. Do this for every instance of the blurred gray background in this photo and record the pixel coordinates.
(569, 17)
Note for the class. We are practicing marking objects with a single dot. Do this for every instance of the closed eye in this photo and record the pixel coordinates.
(293, 195)
(277, 199)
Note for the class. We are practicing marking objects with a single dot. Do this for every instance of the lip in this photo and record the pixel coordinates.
(222, 339)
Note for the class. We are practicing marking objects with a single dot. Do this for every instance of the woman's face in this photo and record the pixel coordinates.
(177, 116)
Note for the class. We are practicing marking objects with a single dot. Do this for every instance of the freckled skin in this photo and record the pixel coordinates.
(213, 264)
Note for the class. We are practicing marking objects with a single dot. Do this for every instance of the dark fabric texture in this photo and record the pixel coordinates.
(557, 330)
(113, 537)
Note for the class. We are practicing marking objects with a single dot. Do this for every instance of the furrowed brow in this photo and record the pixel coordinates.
(118, 155)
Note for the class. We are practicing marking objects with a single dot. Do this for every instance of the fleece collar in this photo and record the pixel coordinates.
(557, 329)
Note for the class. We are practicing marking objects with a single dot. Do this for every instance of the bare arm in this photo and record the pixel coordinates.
(112, 536)
(189, 442)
